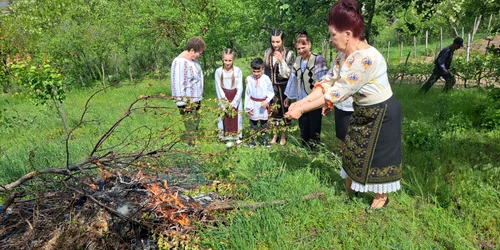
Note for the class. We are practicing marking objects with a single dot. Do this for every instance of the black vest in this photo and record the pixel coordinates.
(273, 71)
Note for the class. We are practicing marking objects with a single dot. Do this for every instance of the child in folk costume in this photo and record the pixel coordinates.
(229, 88)
(258, 94)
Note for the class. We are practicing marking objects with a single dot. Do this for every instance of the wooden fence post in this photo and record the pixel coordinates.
(406, 63)
(401, 50)
(426, 39)
(414, 47)
(441, 39)
(103, 75)
(324, 50)
(488, 29)
(388, 49)
(477, 21)
(468, 47)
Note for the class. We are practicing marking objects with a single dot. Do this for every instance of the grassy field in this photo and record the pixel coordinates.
(449, 199)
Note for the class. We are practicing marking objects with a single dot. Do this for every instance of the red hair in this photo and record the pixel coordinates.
(346, 15)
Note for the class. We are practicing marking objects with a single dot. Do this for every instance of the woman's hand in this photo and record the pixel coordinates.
(294, 112)
(278, 55)
(286, 102)
(326, 110)
(234, 103)
(263, 104)
(293, 105)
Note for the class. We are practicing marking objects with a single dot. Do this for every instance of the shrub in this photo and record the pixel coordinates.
(490, 111)
(458, 123)
(41, 82)
(420, 135)
(491, 118)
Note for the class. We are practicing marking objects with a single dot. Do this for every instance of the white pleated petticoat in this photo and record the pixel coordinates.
(376, 188)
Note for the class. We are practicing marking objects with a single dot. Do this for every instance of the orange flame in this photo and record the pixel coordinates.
(106, 174)
(139, 176)
(184, 221)
(93, 186)
(167, 204)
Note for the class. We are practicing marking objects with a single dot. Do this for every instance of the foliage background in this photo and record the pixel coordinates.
(104, 41)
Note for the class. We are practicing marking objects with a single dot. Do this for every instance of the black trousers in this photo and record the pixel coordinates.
(191, 120)
(310, 128)
(436, 74)
(254, 125)
(342, 119)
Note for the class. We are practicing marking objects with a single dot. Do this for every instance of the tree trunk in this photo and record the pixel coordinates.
(371, 12)
(103, 75)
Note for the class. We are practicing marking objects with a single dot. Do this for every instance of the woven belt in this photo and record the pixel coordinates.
(257, 99)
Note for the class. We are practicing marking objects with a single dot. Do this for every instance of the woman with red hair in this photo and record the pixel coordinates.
(372, 155)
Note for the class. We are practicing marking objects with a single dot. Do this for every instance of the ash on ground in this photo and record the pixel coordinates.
(112, 212)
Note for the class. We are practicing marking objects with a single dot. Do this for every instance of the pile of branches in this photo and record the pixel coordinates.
(106, 196)
(114, 199)
(114, 211)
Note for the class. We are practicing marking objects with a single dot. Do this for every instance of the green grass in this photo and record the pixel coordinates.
(449, 199)
(37, 129)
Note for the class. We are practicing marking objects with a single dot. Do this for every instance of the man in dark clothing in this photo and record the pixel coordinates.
(442, 67)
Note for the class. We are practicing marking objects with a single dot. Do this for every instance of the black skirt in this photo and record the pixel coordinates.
(278, 112)
(373, 145)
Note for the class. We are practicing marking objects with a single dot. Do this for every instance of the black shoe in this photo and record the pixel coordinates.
(353, 195)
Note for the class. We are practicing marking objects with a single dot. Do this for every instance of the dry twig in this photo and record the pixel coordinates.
(230, 205)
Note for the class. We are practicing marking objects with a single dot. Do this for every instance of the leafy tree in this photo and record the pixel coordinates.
(109, 40)
(41, 83)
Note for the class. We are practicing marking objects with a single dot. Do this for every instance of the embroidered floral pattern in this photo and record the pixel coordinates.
(335, 95)
(359, 75)
(367, 62)
(352, 78)
(349, 62)
(186, 80)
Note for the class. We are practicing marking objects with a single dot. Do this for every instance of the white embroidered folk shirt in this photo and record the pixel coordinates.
(362, 75)
(261, 88)
(347, 104)
(187, 81)
(227, 83)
